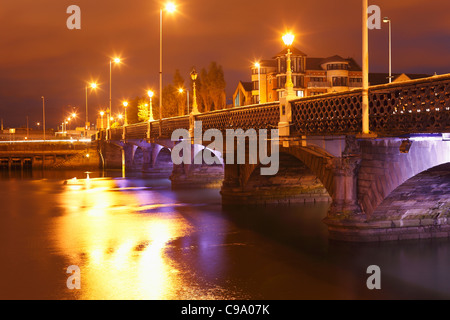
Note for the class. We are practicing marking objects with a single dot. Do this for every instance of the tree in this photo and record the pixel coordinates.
(211, 88)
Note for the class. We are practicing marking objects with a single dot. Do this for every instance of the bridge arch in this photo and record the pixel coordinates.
(294, 182)
(384, 168)
(422, 199)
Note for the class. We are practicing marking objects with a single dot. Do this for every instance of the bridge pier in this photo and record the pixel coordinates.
(294, 183)
(198, 174)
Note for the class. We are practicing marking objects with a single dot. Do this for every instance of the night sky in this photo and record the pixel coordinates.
(39, 56)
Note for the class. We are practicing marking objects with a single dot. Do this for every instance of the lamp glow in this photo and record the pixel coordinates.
(288, 39)
(170, 7)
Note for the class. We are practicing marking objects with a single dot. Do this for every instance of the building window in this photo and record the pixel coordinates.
(300, 93)
(340, 82)
(337, 66)
(255, 85)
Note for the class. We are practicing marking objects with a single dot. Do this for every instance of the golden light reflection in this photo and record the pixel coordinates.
(119, 249)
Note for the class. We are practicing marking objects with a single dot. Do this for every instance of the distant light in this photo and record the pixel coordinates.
(150, 93)
(125, 104)
(257, 65)
(171, 7)
(111, 118)
(116, 60)
(74, 115)
(180, 90)
(102, 113)
(93, 85)
(288, 39)
(386, 19)
(120, 116)
(87, 155)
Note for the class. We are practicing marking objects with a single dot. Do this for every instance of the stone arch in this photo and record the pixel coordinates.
(198, 152)
(163, 157)
(422, 198)
(294, 182)
(384, 168)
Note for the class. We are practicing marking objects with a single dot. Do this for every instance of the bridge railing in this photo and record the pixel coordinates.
(418, 106)
(258, 116)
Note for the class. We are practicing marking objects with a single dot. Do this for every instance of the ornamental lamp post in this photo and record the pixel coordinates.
(258, 65)
(194, 75)
(288, 39)
(125, 105)
(150, 106)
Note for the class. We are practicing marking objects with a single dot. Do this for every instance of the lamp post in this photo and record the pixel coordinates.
(288, 39)
(101, 119)
(150, 106)
(181, 90)
(194, 75)
(125, 105)
(116, 61)
(387, 20)
(170, 7)
(43, 112)
(365, 56)
(93, 85)
(257, 65)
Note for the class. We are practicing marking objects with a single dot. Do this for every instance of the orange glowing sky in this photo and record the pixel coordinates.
(39, 56)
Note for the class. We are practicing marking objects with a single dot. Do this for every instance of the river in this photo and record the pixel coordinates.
(135, 238)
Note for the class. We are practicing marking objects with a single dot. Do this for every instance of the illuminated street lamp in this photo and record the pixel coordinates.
(288, 39)
(125, 105)
(257, 65)
(170, 7)
(387, 20)
(150, 107)
(101, 119)
(93, 86)
(181, 90)
(194, 75)
(43, 113)
(116, 61)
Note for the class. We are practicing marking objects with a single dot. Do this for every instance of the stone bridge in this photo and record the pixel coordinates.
(390, 185)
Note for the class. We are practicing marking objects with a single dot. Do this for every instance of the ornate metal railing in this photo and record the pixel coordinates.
(259, 116)
(418, 106)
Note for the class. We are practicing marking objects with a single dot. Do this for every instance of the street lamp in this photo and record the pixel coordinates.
(257, 65)
(194, 75)
(116, 61)
(387, 20)
(170, 7)
(93, 85)
(125, 105)
(288, 39)
(150, 107)
(365, 69)
(43, 112)
(181, 90)
(101, 119)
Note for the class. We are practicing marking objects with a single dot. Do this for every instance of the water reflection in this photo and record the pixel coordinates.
(118, 247)
(138, 239)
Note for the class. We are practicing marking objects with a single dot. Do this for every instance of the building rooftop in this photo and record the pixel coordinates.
(294, 51)
(383, 78)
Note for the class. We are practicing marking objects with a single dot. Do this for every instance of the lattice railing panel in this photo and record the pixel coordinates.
(419, 106)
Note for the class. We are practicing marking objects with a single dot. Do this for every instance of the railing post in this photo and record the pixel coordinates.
(285, 116)
(148, 129)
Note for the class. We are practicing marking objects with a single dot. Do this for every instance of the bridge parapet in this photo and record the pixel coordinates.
(417, 106)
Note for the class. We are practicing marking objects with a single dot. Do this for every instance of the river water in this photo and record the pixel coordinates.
(135, 238)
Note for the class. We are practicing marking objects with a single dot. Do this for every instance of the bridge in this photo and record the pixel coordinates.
(48, 154)
(375, 183)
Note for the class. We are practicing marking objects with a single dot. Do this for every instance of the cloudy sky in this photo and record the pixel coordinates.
(39, 56)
